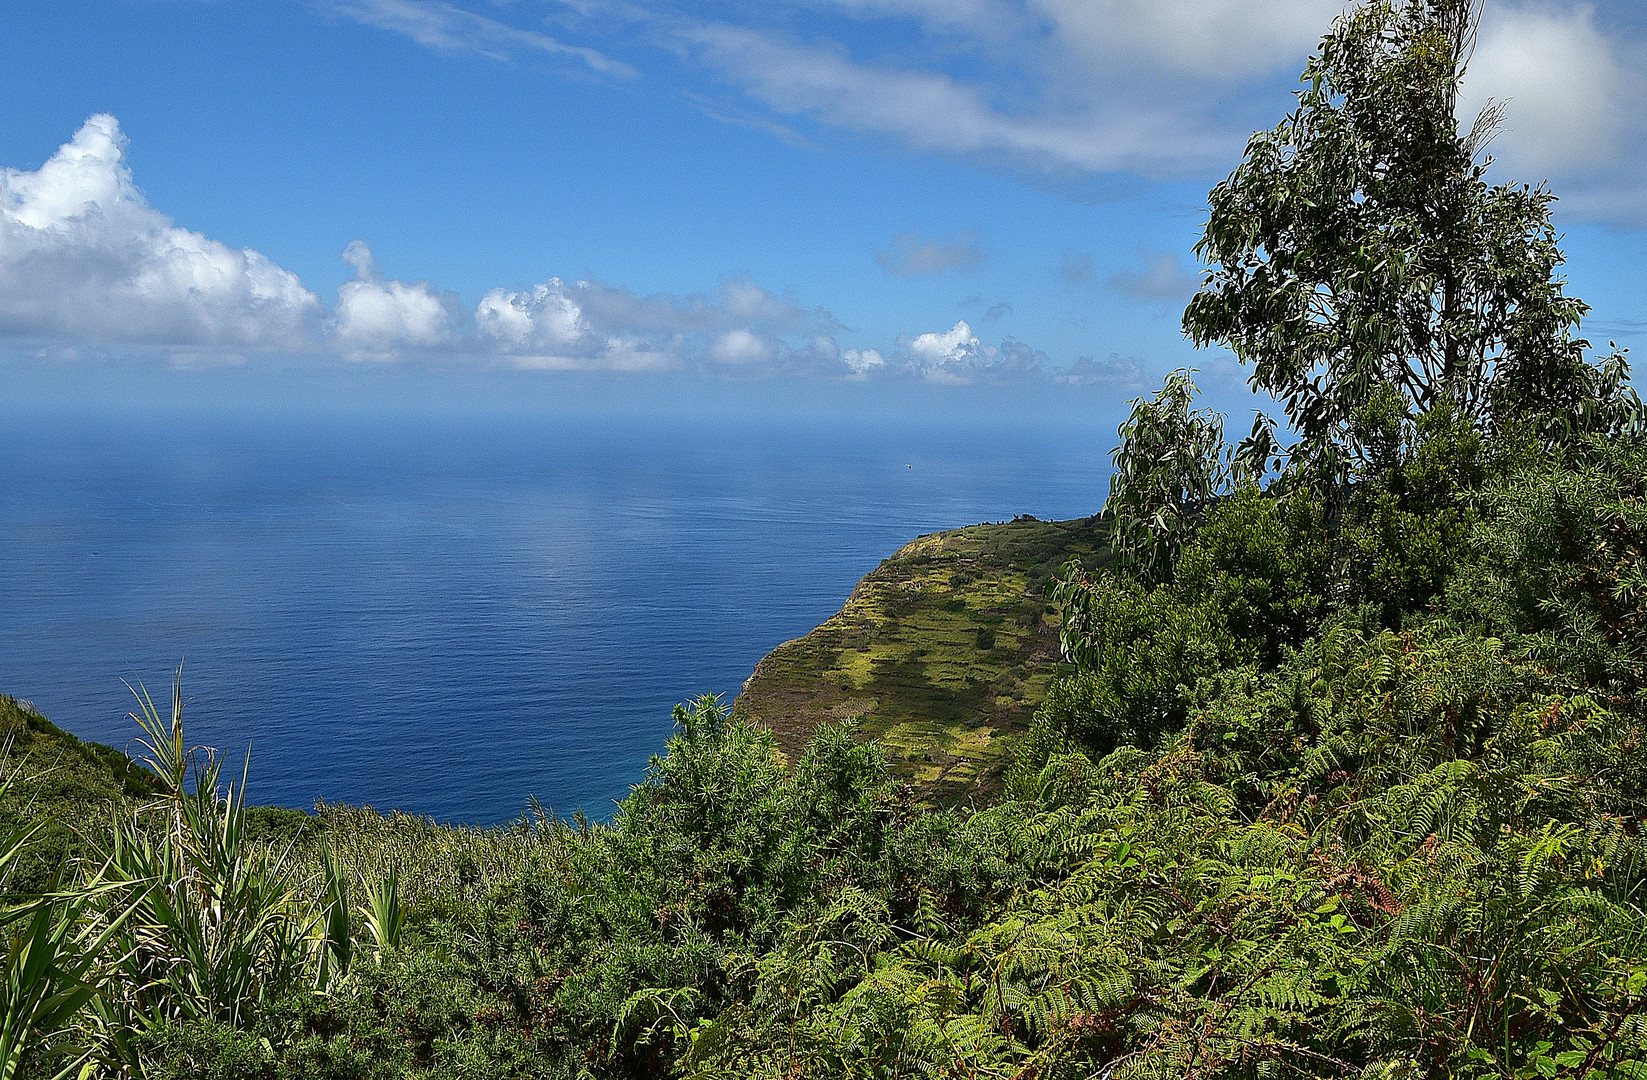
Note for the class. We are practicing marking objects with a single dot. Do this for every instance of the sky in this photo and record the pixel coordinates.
(929, 203)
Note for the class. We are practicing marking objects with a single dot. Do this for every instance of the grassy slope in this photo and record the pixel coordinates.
(69, 783)
(77, 786)
(944, 651)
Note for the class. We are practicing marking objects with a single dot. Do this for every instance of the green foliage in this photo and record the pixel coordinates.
(1139, 650)
(49, 951)
(1408, 517)
(1264, 566)
(1262, 830)
(1358, 246)
(60, 785)
(1388, 855)
(49, 955)
(209, 926)
(1170, 463)
(384, 914)
(1559, 563)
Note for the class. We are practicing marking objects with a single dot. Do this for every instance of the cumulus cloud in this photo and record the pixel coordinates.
(914, 254)
(83, 256)
(997, 312)
(1161, 277)
(592, 326)
(941, 355)
(542, 319)
(378, 319)
(957, 356)
(863, 362)
(85, 260)
(742, 330)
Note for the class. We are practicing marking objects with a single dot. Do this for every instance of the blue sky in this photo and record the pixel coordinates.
(818, 199)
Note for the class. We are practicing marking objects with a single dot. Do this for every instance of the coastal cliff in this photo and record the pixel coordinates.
(942, 654)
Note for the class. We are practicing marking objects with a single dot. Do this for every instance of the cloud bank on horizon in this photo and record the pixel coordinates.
(85, 259)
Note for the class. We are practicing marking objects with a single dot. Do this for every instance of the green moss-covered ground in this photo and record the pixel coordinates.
(942, 653)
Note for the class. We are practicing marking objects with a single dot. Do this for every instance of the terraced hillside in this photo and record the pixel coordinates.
(942, 653)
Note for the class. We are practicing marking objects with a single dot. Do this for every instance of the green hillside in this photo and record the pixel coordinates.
(941, 655)
(62, 781)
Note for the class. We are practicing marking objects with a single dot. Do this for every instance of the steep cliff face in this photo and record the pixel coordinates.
(942, 653)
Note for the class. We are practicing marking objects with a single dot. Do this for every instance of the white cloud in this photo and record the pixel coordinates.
(83, 256)
(1065, 90)
(913, 254)
(1172, 88)
(932, 111)
(543, 319)
(1161, 277)
(1567, 92)
(956, 345)
(84, 260)
(741, 346)
(593, 326)
(450, 29)
(863, 362)
(544, 327)
(956, 356)
(746, 301)
(1210, 39)
(1046, 84)
(1154, 87)
(377, 319)
(950, 356)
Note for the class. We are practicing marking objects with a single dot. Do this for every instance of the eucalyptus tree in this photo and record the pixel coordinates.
(1360, 245)
(1171, 463)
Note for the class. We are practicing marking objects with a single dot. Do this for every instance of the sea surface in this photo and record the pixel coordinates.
(446, 614)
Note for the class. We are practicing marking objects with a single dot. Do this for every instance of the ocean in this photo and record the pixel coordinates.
(446, 613)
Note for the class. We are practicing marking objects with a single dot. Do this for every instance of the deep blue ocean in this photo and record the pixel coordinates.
(447, 613)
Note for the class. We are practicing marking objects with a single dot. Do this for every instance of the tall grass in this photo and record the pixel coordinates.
(437, 869)
(212, 926)
(178, 915)
(48, 957)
